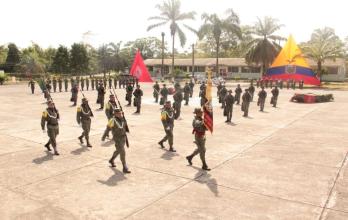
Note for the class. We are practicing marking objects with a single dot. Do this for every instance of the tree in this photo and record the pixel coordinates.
(104, 58)
(149, 47)
(61, 61)
(215, 27)
(79, 60)
(3, 54)
(13, 58)
(264, 48)
(170, 14)
(323, 45)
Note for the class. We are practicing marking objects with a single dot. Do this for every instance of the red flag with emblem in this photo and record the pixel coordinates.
(139, 69)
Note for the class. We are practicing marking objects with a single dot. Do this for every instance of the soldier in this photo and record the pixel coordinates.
(87, 83)
(228, 110)
(66, 84)
(82, 83)
(48, 85)
(93, 80)
(32, 85)
(101, 94)
(115, 82)
(104, 82)
(120, 81)
(246, 99)
(109, 112)
(258, 83)
(60, 84)
(238, 92)
(262, 98)
(191, 84)
(156, 90)
(164, 94)
(301, 84)
(74, 92)
(54, 84)
(293, 84)
(177, 102)
(83, 117)
(138, 93)
(129, 91)
(288, 84)
(281, 84)
(110, 82)
(199, 132)
(274, 99)
(252, 91)
(187, 91)
(167, 118)
(50, 117)
(72, 82)
(202, 90)
(118, 127)
(219, 87)
(77, 81)
(222, 94)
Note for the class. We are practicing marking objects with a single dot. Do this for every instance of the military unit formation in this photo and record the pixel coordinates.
(117, 123)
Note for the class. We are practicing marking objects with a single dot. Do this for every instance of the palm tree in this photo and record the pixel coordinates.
(264, 48)
(215, 27)
(170, 14)
(324, 44)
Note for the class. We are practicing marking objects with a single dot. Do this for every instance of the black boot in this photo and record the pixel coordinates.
(112, 164)
(161, 144)
(189, 159)
(205, 167)
(81, 140)
(89, 144)
(172, 149)
(48, 146)
(125, 170)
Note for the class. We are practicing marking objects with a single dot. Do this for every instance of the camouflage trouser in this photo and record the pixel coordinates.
(106, 132)
(169, 136)
(86, 126)
(274, 101)
(119, 144)
(238, 99)
(262, 104)
(245, 108)
(200, 142)
(177, 109)
(228, 111)
(186, 98)
(32, 89)
(138, 103)
(52, 132)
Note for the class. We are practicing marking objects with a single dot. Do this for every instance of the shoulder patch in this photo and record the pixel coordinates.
(44, 114)
(78, 109)
(111, 123)
(163, 115)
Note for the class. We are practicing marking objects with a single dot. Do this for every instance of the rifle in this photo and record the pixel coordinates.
(89, 108)
(124, 118)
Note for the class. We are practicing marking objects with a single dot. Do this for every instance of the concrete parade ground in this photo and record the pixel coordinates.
(288, 162)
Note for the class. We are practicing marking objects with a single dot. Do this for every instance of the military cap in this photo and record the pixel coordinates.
(197, 110)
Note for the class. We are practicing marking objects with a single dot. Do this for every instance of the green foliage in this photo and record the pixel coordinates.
(3, 77)
(79, 60)
(61, 61)
(13, 58)
(263, 48)
(3, 54)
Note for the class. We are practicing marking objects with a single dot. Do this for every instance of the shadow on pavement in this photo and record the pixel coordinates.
(47, 157)
(114, 179)
(79, 150)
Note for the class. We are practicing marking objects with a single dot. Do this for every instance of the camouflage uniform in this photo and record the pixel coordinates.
(118, 127)
(199, 132)
(66, 84)
(164, 95)
(246, 98)
(187, 91)
(54, 85)
(82, 84)
(229, 101)
(101, 94)
(83, 116)
(110, 108)
(274, 99)
(167, 118)
(60, 84)
(156, 90)
(177, 102)
(32, 85)
(129, 91)
(138, 93)
(238, 92)
(74, 92)
(262, 98)
(50, 117)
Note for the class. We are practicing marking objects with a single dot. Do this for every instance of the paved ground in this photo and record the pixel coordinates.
(289, 162)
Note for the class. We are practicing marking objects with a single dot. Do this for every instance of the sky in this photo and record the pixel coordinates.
(55, 22)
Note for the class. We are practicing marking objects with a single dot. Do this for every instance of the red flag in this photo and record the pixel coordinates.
(139, 69)
(208, 106)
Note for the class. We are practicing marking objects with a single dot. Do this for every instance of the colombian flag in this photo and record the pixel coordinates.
(290, 64)
(208, 106)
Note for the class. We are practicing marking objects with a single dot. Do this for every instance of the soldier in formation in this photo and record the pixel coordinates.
(238, 91)
(167, 118)
(74, 93)
(252, 91)
(164, 95)
(82, 84)
(177, 101)
(83, 117)
(32, 85)
(222, 94)
(109, 112)
(60, 84)
(156, 91)
(138, 93)
(66, 82)
(54, 84)
(246, 99)
(187, 92)
(262, 99)
(192, 85)
(129, 91)
(199, 130)
(50, 119)
(118, 125)
(275, 94)
(101, 94)
(228, 110)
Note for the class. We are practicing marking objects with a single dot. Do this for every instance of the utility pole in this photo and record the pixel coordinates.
(193, 60)
(162, 66)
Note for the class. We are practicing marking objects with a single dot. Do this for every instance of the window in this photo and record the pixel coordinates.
(245, 69)
(233, 69)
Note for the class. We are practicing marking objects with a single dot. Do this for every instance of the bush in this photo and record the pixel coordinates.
(3, 77)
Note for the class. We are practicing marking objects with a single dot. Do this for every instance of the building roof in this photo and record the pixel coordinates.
(227, 62)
